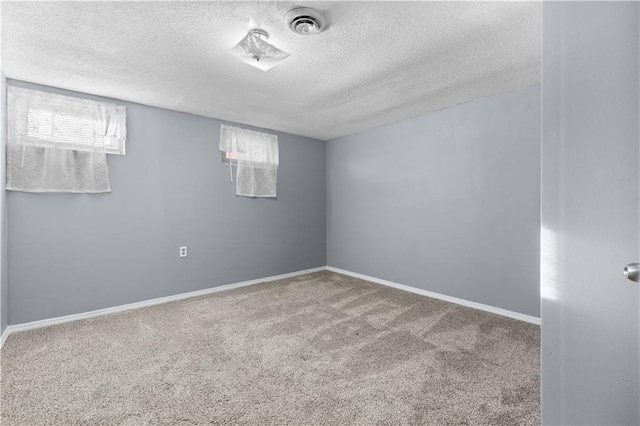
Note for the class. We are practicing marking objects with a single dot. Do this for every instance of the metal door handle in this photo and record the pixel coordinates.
(632, 271)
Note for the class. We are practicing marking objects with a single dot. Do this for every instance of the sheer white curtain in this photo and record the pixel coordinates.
(59, 143)
(258, 160)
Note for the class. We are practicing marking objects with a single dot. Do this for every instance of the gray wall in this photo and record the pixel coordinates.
(4, 282)
(76, 253)
(447, 201)
(590, 213)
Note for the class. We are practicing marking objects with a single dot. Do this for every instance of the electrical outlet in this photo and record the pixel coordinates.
(183, 251)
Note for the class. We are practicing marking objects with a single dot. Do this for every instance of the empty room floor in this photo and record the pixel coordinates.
(321, 348)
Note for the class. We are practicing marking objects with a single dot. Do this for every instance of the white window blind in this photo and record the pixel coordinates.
(59, 143)
(257, 159)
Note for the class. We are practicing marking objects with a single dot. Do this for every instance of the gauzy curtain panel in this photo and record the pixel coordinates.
(59, 143)
(258, 159)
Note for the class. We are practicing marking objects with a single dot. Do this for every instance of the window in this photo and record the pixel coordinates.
(59, 143)
(229, 158)
(59, 128)
(257, 157)
(51, 120)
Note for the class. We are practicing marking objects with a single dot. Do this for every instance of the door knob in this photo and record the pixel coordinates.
(632, 271)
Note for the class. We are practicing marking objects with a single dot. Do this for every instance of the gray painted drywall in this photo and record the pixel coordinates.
(590, 213)
(446, 201)
(75, 253)
(4, 282)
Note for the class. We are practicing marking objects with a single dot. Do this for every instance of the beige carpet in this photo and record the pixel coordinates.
(316, 349)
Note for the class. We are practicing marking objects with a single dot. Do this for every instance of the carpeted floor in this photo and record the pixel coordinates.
(321, 348)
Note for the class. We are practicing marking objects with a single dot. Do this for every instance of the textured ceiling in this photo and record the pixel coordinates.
(378, 62)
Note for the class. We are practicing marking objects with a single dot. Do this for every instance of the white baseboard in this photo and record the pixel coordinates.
(68, 318)
(457, 301)
(4, 336)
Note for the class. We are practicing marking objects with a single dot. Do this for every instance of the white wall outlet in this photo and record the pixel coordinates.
(183, 251)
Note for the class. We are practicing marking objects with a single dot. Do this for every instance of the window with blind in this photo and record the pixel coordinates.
(59, 143)
(77, 130)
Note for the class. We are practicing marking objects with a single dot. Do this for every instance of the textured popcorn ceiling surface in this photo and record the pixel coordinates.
(377, 63)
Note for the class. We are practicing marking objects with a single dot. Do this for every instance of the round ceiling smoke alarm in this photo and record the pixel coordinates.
(305, 21)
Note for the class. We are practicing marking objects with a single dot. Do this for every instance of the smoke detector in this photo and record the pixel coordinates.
(305, 21)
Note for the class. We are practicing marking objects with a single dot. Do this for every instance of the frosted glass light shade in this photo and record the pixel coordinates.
(254, 50)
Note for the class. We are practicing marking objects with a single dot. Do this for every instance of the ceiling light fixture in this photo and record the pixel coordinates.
(305, 21)
(254, 50)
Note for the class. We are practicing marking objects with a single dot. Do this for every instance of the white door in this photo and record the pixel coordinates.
(590, 216)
